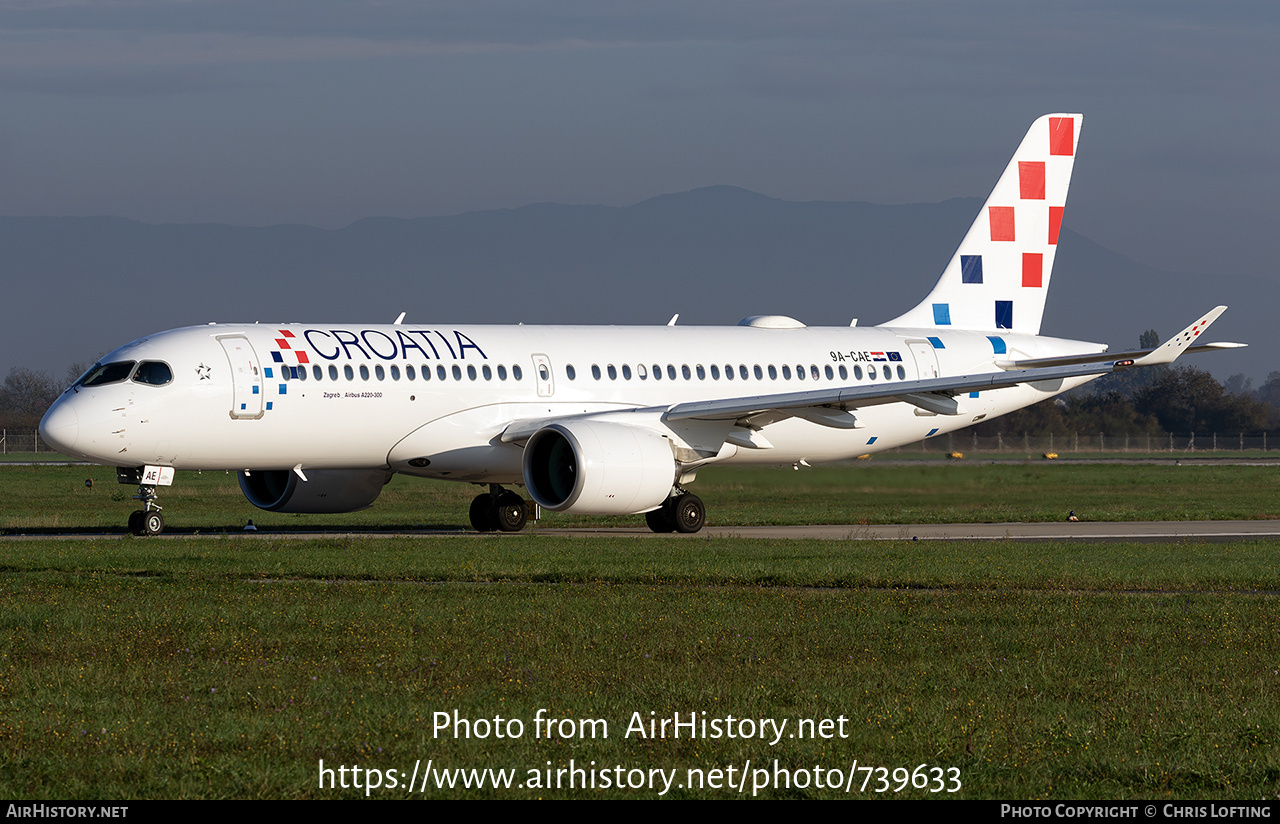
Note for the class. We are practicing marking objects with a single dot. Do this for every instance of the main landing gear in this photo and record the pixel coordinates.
(498, 510)
(683, 512)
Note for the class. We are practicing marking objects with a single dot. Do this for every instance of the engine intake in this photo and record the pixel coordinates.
(598, 468)
(324, 491)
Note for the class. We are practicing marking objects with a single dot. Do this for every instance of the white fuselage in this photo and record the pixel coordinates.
(435, 400)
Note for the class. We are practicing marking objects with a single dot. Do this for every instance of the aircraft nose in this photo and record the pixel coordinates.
(60, 427)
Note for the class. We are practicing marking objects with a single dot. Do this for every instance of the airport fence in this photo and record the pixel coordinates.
(22, 441)
(1096, 442)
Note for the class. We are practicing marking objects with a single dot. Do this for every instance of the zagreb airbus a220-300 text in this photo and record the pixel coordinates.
(603, 420)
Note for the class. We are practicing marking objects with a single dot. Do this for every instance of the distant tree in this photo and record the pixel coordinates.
(1186, 399)
(25, 396)
(1131, 381)
(1238, 384)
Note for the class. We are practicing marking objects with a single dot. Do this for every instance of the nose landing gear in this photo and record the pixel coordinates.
(148, 520)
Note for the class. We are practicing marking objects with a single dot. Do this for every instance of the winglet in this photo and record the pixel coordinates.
(1169, 351)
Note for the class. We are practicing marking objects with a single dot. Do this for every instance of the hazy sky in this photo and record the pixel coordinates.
(323, 112)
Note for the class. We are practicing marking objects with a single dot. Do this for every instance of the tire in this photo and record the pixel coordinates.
(510, 514)
(135, 522)
(660, 519)
(484, 515)
(688, 513)
(152, 523)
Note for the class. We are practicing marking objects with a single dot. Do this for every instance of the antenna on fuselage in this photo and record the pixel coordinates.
(398, 320)
(672, 322)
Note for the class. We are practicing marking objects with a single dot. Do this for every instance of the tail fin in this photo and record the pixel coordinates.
(998, 278)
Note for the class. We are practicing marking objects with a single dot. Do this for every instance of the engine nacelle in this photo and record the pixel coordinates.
(325, 490)
(598, 468)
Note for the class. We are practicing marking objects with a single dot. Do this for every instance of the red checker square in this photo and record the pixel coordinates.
(282, 343)
(302, 356)
(1055, 223)
(1062, 136)
(1032, 269)
(286, 333)
(1001, 218)
(1031, 179)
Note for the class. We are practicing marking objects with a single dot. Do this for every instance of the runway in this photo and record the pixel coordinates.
(1106, 532)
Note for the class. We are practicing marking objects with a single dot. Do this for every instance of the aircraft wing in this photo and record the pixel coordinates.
(830, 406)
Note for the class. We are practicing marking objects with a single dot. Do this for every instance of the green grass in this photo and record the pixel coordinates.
(51, 499)
(228, 668)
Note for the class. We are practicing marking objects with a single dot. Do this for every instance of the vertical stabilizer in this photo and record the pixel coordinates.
(998, 278)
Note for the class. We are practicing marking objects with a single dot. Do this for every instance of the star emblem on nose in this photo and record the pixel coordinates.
(203, 371)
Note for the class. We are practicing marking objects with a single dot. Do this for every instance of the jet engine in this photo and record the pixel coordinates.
(325, 490)
(598, 468)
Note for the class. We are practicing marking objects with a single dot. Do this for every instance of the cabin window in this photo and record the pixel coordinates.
(333, 372)
(657, 372)
(902, 373)
(800, 372)
(773, 372)
(831, 375)
(440, 373)
(715, 372)
(364, 372)
(671, 371)
(595, 371)
(471, 373)
(844, 373)
(613, 372)
(684, 370)
(759, 373)
(487, 372)
(887, 374)
(641, 371)
(517, 373)
(502, 372)
(395, 372)
(410, 373)
(626, 372)
(702, 373)
(348, 372)
(379, 373)
(857, 373)
(871, 372)
(728, 371)
(569, 372)
(786, 372)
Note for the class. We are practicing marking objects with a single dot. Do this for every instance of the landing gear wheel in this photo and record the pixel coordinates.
(484, 515)
(152, 523)
(135, 522)
(688, 513)
(510, 514)
(660, 519)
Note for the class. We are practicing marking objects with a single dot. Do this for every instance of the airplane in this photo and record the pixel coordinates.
(317, 418)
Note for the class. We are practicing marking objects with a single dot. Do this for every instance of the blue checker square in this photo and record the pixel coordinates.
(1004, 314)
(971, 268)
(942, 314)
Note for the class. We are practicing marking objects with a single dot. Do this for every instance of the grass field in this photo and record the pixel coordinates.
(229, 667)
(55, 498)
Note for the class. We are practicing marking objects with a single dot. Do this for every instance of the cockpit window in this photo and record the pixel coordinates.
(154, 373)
(101, 374)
